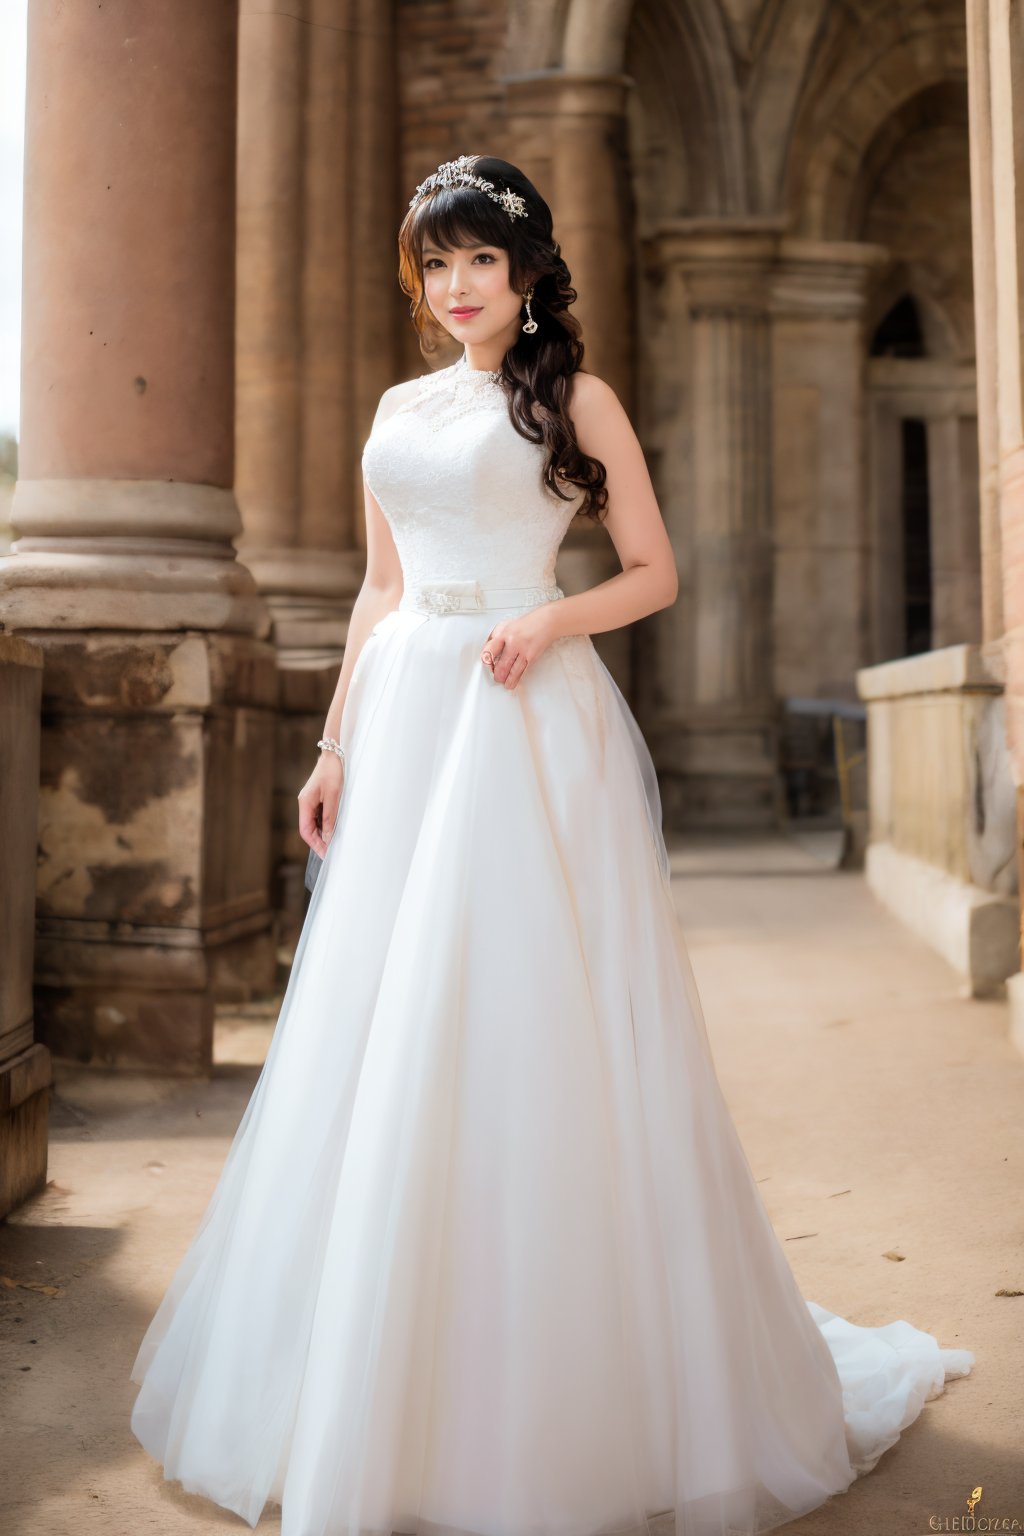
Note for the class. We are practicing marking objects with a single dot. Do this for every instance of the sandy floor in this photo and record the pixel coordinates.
(880, 1110)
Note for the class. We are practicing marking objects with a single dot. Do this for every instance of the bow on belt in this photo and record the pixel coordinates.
(468, 596)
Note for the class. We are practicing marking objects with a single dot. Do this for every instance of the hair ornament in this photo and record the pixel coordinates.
(458, 173)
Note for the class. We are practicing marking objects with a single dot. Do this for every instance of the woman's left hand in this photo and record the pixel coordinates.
(513, 643)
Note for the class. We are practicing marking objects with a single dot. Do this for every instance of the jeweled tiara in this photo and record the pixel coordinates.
(458, 173)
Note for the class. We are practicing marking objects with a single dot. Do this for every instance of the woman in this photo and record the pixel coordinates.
(486, 1257)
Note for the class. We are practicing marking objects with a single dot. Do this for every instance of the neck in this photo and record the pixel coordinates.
(482, 360)
(476, 363)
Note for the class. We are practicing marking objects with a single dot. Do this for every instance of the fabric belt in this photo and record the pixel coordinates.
(470, 597)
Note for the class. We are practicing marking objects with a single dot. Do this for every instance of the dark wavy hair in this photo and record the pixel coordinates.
(536, 368)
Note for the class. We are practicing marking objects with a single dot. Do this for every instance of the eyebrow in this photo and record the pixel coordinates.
(434, 250)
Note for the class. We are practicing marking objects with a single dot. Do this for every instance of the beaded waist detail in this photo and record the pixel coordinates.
(468, 596)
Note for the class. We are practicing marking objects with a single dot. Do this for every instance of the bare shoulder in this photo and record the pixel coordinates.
(594, 406)
(584, 386)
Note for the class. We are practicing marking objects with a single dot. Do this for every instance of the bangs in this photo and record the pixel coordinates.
(459, 216)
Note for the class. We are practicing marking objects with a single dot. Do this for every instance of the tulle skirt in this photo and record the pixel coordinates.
(486, 1257)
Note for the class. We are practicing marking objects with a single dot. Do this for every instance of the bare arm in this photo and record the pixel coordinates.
(648, 579)
(379, 593)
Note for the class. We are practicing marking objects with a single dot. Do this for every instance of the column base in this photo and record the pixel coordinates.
(24, 1111)
(719, 776)
(154, 842)
(80, 561)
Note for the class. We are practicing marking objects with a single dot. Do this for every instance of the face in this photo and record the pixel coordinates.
(467, 291)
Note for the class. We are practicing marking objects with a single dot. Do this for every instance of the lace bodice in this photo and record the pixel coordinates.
(461, 489)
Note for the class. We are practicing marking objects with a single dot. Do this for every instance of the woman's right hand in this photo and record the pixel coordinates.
(319, 799)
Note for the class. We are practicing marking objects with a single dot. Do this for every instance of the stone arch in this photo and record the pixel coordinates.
(696, 114)
(687, 115)
(855, 92)
(914, 180)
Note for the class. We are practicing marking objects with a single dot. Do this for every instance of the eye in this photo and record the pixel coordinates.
(433, 261)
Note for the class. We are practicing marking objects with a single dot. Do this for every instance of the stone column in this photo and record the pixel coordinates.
(569, 132)
(317, 345)
(953, 484)
(567, 129)
(715, 730)
(153, 890)
(995, 73)
(823, 548)
(983, 125)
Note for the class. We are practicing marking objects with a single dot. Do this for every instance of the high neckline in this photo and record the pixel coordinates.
(476, 373)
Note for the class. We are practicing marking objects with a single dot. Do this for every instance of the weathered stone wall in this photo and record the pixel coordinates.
(24, 1063)
(154, 842)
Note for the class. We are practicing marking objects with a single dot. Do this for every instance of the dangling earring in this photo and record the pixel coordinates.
(529, 324)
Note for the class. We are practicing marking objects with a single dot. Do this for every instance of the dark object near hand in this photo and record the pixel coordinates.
(313, 866)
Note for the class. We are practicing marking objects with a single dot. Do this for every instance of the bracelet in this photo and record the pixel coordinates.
(328, 744)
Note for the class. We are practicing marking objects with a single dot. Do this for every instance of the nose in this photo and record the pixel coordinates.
(459, 284)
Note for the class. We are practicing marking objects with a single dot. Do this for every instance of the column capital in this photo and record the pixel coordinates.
(566, 93)
(733, 265)
(824, 277)
(725, 263)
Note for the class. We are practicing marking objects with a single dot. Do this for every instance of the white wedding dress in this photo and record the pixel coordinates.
(486, 1256)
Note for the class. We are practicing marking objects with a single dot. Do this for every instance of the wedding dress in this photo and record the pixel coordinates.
(486, 1257)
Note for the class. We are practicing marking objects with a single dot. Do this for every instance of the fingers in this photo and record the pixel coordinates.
(514, 672)
(493, 646)
(508, 666)
(329, 812)
(309, 819)
(318, 800)
(506, 663)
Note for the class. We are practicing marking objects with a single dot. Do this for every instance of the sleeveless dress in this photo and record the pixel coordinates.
(486, 1256)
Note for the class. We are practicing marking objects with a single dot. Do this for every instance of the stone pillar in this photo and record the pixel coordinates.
(953, 484)
(25, 1069)
(822, 545)
(318, 215)
(569, 132)
(983, 125)
(715, 730)
(153, 889)
(995, 73)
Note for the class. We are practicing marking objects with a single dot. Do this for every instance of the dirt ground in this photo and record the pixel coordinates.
(880, 1109)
